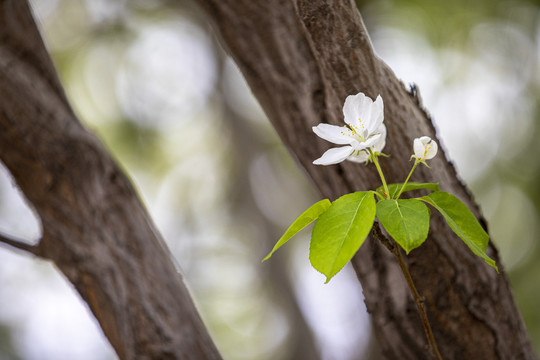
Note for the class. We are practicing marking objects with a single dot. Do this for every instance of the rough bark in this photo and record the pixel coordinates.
(301, 59)
(95, 229)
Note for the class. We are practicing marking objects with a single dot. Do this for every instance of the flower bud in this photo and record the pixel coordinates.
(425, 148)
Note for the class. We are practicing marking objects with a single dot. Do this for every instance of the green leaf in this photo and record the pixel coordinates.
(306, 218)
(393, 189)
(406, 220)
(340, 231)
(462, 221)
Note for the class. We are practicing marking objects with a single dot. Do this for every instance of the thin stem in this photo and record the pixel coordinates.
(379, 195)
(406, 180)
(376, 162)
(418, 300)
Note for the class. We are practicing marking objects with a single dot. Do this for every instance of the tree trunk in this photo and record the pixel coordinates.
(95, 229)
(301, 59)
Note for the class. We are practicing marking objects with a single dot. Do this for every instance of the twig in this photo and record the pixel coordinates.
(19, 244)
(394, 248)
(383, 239)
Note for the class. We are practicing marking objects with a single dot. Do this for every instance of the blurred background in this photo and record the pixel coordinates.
(151, 79)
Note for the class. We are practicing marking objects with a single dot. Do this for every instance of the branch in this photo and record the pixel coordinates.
(301, 80)
(20, 245)
(97, 231)
(419, 301)
(377, 233)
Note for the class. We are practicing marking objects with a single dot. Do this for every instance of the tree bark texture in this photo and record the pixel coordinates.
(301, 59)
(95, 229)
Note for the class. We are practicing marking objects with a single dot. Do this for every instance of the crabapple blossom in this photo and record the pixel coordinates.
(363, 134)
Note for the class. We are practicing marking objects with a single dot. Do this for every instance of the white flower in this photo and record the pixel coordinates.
(424, 148)
(364, 130)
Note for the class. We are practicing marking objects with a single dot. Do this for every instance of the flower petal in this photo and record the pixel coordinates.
(373, 139)
(418, 148)
(349, 112)
(359, 156)
(334, 156)
(377, 115)
(432, 148)
(364, 115)
(381, 141)
(355, 107)
(335, 134)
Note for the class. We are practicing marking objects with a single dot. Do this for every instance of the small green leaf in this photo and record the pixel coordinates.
(393, 189)
(406, 220)
(306, 218)
(462, 221)
(340, 231)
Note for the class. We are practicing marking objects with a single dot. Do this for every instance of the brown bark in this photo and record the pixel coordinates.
(95, 229)
(301, 59)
